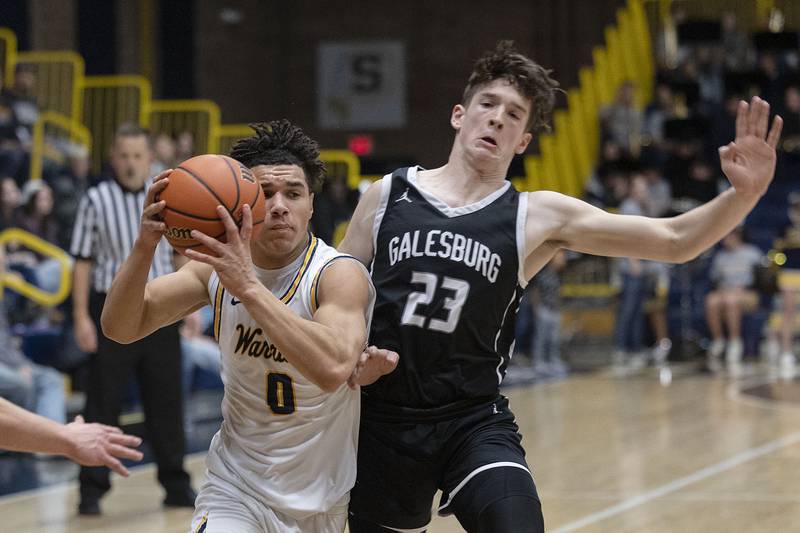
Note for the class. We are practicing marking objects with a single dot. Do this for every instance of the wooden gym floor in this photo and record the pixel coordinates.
(701, 454)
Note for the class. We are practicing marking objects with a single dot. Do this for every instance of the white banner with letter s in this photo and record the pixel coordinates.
(361, 85)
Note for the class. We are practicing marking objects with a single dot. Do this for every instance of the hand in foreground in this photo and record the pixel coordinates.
(373, 363)
(233, 262)
(749, 161)
(152, 227)
(101, 445)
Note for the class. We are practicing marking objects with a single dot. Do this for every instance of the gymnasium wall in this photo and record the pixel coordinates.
(257, 58)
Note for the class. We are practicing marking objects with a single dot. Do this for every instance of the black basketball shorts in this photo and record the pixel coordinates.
(402, 464)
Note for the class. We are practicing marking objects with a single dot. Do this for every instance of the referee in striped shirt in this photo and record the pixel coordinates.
(106, 226)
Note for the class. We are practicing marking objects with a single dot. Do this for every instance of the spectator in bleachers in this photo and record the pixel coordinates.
(732, 278)
(668, 51)
(25, 107)
(693, 182)
(36, 217)
(608, 184)
(36, 210)
(656, 283)
(621, 121)
(26, 113)
(198, 348)
(663, 107)
(12, 134)
(164, 154)
(709, 74)
(771, 77)
(629, 326)
(199, 351)
(722, 123)
(546, 301)
(656, 289)
(184, 146)
(739, 52)
(659, 192)
(69, 187)
(789, 146)
(35, 387)
(702, 183)
(333, 206)
(789, 283)
(9, 202)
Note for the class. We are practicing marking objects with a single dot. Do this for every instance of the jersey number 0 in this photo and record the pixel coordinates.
(280, 393)
(458, 289)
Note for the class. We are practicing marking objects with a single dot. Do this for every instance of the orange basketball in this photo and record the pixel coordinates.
(195, 190)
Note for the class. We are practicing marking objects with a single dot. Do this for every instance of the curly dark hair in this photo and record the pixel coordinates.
(280, 142)
(531, 79)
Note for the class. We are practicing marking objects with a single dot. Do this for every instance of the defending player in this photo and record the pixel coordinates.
(451, 249)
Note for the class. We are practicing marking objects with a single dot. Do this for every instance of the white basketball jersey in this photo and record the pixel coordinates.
(283, 440)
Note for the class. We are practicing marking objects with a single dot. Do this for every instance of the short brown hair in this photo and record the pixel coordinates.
(531, 79)
(129, 129)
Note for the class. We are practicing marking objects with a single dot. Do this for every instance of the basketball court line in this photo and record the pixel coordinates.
(694, 496)
(736, 393)
(677, 484)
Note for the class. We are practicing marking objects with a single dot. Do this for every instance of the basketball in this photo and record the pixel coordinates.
(196, 187)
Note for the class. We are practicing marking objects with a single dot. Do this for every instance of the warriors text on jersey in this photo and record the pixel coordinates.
(283, 440)
(449, 282)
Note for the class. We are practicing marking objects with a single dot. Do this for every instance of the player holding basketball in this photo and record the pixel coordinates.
(291, 317)
(451, 249)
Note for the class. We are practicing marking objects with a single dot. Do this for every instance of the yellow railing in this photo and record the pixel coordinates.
(16, 283)
(229, 134)
(109, 101)
(59, 77)
(342, 163)
(568, 155)
(201, 118)
(51, 128)
(588, 290)
(8, 55)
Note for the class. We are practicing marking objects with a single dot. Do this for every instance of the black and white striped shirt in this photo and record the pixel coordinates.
(106, 226)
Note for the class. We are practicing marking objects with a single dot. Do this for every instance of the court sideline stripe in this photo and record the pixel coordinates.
(672, 486)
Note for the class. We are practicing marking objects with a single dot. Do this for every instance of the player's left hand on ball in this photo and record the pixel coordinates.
(152, 227)
(373, 363)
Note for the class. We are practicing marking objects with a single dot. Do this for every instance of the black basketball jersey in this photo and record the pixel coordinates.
(449, 282)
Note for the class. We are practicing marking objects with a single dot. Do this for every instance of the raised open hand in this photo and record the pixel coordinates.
(749, 161)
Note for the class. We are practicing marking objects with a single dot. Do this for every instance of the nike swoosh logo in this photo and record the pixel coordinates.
(234, 301)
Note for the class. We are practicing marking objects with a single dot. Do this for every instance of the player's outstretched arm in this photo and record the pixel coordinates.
(358, 238)
(135, 308)
(749, 164)
(86, 444)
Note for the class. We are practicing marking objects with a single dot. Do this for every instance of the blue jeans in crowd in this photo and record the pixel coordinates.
(42, 392)
(547, 341)
(629, 329)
